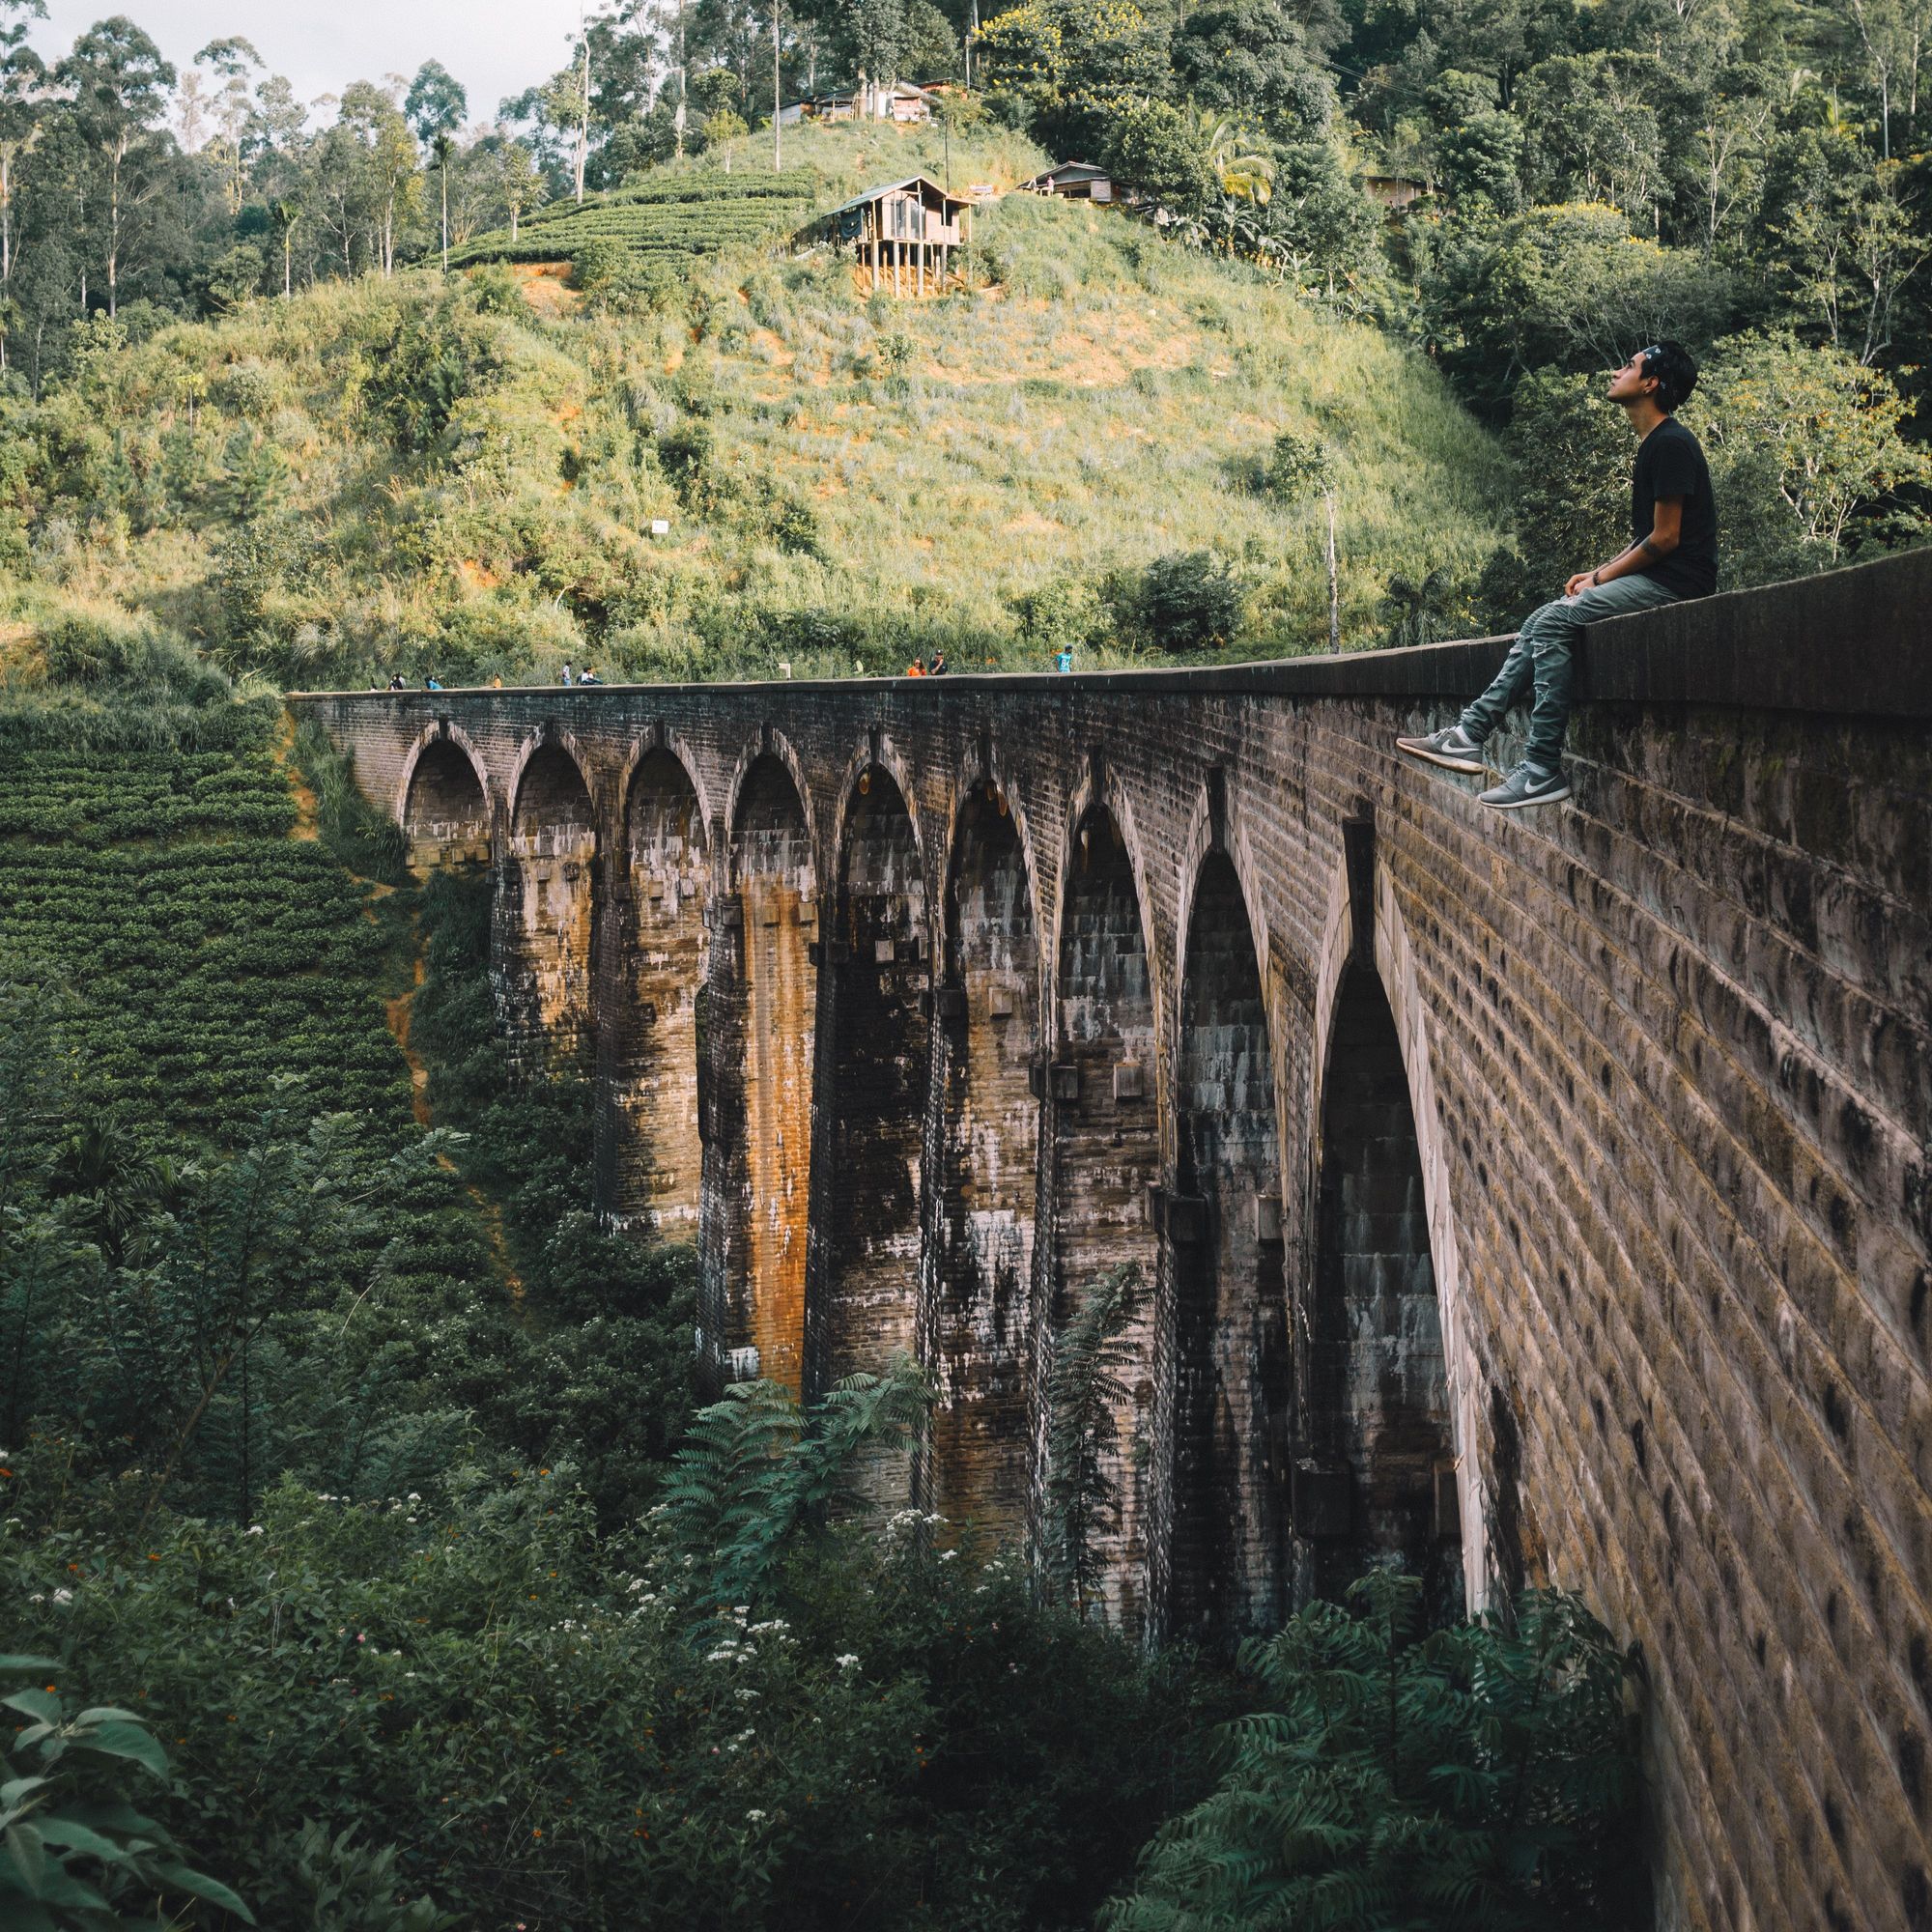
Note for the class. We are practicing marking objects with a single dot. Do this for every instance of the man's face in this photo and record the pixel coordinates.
(1631, 381)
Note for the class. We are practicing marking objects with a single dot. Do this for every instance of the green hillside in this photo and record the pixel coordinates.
(463, 475)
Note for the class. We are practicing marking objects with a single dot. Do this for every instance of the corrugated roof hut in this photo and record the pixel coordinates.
(1075, 181)
(906, 232)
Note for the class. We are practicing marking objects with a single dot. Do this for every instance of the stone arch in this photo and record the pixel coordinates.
(1383, 1445)
(443, 799)
(757, 1024)
(548, 750)
(660, 742)
(1105, 1134)
(879, 1066)
(972, 775)
(1463, 1363)
(548, 903)
(989, 1015)
(652, 1149)
(1231, 1364)
(770, 747)
(1097, 793)
(878, 755)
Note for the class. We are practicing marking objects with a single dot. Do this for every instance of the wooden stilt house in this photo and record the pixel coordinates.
(907, 234)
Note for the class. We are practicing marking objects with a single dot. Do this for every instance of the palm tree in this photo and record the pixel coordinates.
(1243, 174)
(1418, 611)
(285, 212)
(444, 147)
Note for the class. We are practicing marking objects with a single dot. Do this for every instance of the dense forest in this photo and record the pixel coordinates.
(369, 1558)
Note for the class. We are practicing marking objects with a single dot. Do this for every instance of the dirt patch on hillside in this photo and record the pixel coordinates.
(397, 1013)
(308, 809)
(544, 286)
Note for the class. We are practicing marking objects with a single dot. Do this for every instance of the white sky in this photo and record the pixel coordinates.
(495, 47)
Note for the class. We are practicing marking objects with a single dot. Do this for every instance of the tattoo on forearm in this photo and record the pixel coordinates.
(1648, 548)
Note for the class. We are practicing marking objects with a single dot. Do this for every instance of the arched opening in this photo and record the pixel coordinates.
(653, 1151)
(1106, 1152)
(549, 896)
(1379, 1479)
(756, 1027)
(445, 816)
(1232, 1366)
(881, 1061)
(989, 1029)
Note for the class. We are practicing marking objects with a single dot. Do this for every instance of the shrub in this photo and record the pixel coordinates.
(598, 265)
(75, 1855)
(1187, 601)
(1480, 1780)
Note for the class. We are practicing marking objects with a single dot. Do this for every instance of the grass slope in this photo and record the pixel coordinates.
(447, 476)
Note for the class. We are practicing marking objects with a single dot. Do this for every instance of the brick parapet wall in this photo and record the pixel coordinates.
(1670, 1053)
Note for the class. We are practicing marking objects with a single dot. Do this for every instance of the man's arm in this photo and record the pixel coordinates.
(1666, 532)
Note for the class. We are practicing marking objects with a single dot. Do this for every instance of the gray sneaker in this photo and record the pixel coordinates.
(1526, 785)
(1452, 745)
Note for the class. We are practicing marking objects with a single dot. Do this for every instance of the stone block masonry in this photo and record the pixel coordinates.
(1545, 1194)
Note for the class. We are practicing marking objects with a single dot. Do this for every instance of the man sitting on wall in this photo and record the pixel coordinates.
(1673, 553)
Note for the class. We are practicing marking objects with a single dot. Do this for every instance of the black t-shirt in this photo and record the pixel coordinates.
(1671, 463)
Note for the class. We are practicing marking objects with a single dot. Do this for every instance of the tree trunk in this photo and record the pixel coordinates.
(1334, 583)
(114, 227)
(583, 124)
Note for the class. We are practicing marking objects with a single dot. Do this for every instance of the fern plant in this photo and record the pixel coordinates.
(757, 1468)
(1481, 1779)
(1086, 1393)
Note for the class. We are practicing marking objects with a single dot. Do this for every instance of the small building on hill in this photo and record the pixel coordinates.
(900, 102)
(1075, 181)
(1394, 191)
(906, 234)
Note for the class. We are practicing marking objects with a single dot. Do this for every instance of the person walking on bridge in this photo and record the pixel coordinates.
(1672, 555)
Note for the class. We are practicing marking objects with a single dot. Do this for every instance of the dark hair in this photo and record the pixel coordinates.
(1675, 372)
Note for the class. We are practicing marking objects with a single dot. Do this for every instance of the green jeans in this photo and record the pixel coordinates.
(1543, 655)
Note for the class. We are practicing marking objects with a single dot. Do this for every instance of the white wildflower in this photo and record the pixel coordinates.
(755, 1817)
(847, 1660)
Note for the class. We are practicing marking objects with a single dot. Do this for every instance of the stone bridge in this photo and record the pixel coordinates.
(1543, 1196)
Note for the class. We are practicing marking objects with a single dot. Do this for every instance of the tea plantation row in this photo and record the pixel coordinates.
(207, 954)
(689, 214)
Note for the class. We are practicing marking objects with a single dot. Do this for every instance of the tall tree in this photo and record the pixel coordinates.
(435, 102)
(393, 174)
(235, 61)
(118, 84)
(523, 181)
(23, 111)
